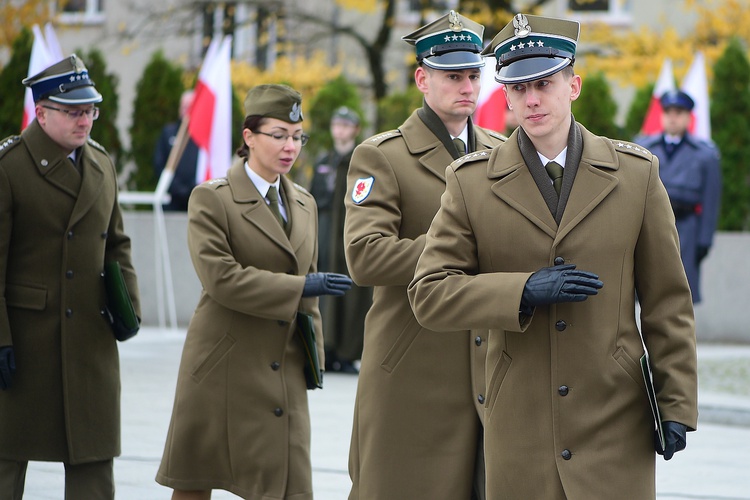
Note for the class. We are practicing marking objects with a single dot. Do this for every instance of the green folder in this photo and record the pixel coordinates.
(648, 378)
(122, 317)
(306, 332)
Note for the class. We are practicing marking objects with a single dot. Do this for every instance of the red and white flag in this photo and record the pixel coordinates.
(695, 84)
(491, 105)
(43, 54)
(665, 83)
(211, 113)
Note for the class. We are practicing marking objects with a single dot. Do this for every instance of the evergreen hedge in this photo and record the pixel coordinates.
(11, 104)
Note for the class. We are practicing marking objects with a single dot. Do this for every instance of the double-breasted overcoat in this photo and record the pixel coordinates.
(692, 177)
(57, 230)
(566, 413)
(240, 420)
(415, 426)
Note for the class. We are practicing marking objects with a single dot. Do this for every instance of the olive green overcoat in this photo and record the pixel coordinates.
(416, 428)
(240, 420)
(566, 414)
(57, 229)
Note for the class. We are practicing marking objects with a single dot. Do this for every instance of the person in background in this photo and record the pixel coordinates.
(343, 318)
(184, 179)
(689, 168)
(240, 420)
(546, 241)
(60, 222)
(417, 430)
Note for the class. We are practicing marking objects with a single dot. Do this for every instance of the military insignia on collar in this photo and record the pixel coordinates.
(454, 21)
(296, 112)
(362, 189)
(521, 24)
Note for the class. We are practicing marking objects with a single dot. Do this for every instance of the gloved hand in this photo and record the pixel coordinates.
(700, 254)
(674, 439)
(7, 366)
(551, 285)
(317, 284)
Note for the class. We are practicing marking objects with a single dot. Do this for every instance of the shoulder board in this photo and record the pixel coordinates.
(95, 144)
(484, 154)
(632, 149)
(9, 143)
(382, 137)
(301, 189)
(218, 181)
(496, 135)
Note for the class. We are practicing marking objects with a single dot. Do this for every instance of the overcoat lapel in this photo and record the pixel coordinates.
(91, 185)
(420, 140)
(50, 160)
(299, 213)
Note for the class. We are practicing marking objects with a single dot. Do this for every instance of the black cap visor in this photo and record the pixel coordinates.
(531, 68)
(80, 95)
(455, 60)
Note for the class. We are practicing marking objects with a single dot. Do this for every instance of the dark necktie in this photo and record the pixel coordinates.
(75, 165)
(273, 198)
(555, 172)
(460, 146)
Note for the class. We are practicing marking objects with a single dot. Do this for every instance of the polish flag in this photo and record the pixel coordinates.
(695, 84)
(665, 83)
(491, 105)
(211, 113)
(43, 54)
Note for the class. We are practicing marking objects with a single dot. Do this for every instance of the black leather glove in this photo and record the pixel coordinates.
(551, 285)
(674, 439)
(700, 254)
(317, 284)
(7, 366)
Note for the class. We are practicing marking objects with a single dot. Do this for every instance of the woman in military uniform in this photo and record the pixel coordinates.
(240, 420)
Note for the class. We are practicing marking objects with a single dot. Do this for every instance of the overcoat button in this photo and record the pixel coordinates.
(68, 313)
(278, 412)
(563, 390)
(70, 235)
(478, 341)
(101, 274)
(561, 325)
(275, 365)
(103, 312)
(69, 274)
(559, 261)
(566, 454)
(480, 398)
(104, 235)
(281, 322)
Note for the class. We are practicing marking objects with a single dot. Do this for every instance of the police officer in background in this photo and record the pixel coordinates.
(60, 222)
(416, 429)
(689, 168)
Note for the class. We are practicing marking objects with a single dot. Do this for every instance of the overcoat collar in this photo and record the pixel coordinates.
(256, 211)
(593, 182)
(52, 164)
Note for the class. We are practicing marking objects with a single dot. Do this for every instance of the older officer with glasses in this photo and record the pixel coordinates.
(59, 223)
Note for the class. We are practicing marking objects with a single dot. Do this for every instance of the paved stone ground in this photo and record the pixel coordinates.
(714, 466)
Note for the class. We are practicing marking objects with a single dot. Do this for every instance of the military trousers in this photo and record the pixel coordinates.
(92, 481)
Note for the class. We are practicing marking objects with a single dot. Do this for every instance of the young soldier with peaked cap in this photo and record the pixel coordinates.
(416, 430)
(690, 170)
(59, 223)
(554, 277)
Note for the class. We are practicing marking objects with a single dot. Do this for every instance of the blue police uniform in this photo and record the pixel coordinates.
(691, 173)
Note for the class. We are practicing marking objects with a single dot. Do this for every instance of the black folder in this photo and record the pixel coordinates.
(306, 332)
(648, 378)
(122, 317)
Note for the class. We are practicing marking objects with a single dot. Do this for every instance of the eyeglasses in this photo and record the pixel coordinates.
(75, 114)
(281, 138)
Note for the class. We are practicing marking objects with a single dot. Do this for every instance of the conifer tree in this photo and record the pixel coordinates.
(595, 108)
(17, 68)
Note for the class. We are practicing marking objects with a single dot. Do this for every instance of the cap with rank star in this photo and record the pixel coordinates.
(451, 42)
(66, 82)
(533, 47)
(274, 101)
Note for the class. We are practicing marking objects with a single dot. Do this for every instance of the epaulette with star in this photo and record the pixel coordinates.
(301, 189)
(382, 137)
(496, 135)
(95, 144)
(8, 144)
(216, 182)
(483, 154)
(632, 148)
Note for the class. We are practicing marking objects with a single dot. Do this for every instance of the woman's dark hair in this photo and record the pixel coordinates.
(253, 123)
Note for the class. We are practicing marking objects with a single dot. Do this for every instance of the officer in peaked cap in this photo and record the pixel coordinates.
(66, 82)
(511, 250)
(532, 47)
(450, 42)
(394, 185)
(676, 99)
(60, 221)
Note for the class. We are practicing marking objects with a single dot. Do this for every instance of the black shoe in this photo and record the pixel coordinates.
(347, 367)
